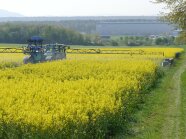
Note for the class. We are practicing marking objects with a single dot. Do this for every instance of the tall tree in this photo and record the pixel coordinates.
(176, 14)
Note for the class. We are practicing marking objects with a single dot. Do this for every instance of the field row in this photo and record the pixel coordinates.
(71, 98)
(149, 53)
(81, 97)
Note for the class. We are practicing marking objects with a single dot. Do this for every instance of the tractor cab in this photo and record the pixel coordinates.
(35, 40)
(34, 44)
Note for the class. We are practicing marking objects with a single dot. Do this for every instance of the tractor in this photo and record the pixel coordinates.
(38, 52)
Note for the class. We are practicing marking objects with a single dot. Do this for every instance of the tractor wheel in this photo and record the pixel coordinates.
(26, 60)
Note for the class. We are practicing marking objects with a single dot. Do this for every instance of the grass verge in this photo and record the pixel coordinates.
(150, 117)
(183, 106)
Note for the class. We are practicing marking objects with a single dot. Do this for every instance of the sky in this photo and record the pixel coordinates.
(82, 7)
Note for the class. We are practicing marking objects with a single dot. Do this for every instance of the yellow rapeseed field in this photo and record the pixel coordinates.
(85, 96)
(10, 60)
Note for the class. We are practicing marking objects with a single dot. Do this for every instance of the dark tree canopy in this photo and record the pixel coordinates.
(21, 32)
(177, 15)
(177, 12)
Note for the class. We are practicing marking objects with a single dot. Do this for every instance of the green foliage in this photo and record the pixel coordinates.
(177, 12)
(114, 43)
(142, 41)
(164, 40)
(177, 15)
(20, 32)
(181, 39)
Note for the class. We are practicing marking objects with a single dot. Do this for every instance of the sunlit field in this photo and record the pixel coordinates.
(86, 95)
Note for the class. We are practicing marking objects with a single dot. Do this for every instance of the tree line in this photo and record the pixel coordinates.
(66, 32)
(52, 33)
(140, 41)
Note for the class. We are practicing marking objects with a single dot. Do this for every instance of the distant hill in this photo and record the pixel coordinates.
(75, 18)
(85, 24)
(4, 13)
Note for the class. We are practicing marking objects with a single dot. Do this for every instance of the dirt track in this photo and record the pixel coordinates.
(171, 125)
